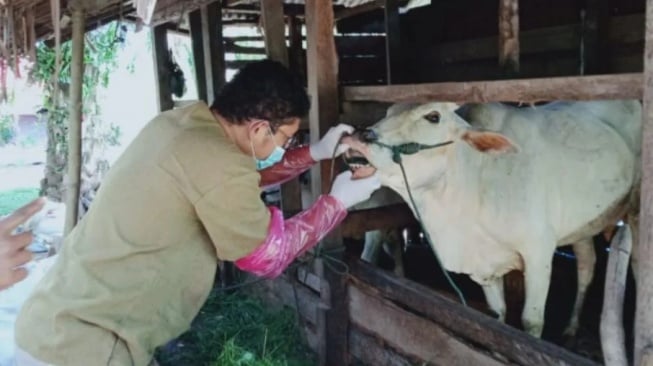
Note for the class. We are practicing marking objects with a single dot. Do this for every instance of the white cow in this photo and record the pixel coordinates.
(503, 200)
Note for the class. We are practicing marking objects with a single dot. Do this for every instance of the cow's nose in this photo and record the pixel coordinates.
(368, 135)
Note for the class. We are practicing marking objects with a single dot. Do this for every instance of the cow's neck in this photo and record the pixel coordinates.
(446, 202)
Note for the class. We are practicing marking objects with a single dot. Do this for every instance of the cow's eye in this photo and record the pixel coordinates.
(433, 117)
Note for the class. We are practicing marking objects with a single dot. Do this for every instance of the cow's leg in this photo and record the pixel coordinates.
(373, 246)
(537, 278)
(394, 241)
(585, 260)
(493, 291)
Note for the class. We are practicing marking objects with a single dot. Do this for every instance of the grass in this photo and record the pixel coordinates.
(238, 330)
(15, 198)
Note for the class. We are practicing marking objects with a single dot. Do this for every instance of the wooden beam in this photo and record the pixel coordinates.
(73, 176)
(410, 334)
(322, 70)
(509, 36)
(212, 38)
(393, 54)
(356, 10)
(644, 313)
(160, 52)
(274, 34)
(619, 86)
(613, 341)
(274, 30)
(195, 24)
(467, 323)
(359, 222)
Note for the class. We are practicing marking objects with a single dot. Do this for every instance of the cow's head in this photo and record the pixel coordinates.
(427, 124)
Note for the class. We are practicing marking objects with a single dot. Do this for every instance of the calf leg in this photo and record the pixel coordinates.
(373, 246)
(493, 291)
(394, 240)
(585, 260)
(537, 278)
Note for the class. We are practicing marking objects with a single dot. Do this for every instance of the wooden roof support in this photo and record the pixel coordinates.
(509, 36)
(208, 49)
(75, 119)
(274, 27)
(274, 35)
(616, 86)
(644, 312)
(322, 71)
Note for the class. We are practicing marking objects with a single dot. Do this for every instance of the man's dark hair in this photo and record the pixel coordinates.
(263, 90)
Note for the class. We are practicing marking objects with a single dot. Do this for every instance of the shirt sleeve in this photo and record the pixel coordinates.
(234, 216)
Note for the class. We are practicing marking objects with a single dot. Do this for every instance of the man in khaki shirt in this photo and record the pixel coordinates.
(136, 270)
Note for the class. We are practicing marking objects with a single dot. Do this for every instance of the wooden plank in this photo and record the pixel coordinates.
(296, 53)
(509, 36)
(621, 29)
(274, 29)
(213, 44)
(370, 352)
(73, 176)
(619, 86)
(393, 55)
(410, 334)
(160, 53)
(356, 10)
(466, 323)
(644, 311)
(195, 24)
(322, 72)
(388, 217)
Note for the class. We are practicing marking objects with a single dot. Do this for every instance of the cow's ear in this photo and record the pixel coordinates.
(489, 142)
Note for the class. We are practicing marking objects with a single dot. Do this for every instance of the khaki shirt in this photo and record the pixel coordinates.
(136, 270)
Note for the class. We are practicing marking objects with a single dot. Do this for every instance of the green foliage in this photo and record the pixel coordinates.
(15, 198)
(238, 330)
(7, 129)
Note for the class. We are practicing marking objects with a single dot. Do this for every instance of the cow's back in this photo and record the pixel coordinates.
(576, 165)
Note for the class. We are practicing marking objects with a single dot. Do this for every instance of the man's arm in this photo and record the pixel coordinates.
(295, 162)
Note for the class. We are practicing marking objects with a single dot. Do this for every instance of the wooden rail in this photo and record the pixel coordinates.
(618, 86)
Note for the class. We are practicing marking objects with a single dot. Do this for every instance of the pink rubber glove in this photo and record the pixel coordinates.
(295, 162)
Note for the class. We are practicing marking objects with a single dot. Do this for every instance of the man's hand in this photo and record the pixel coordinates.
(13, 252)
(325, 148)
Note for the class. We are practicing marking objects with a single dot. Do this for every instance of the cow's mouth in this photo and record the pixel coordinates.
(358, 164)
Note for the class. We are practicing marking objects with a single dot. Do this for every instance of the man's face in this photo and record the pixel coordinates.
(264, 140)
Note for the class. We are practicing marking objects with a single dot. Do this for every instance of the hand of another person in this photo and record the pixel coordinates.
(13, 252)
(352, 192)
(324, 148)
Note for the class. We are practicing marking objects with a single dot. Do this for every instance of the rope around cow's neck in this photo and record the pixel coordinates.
(409, 149)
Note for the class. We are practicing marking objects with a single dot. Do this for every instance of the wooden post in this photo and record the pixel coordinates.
(208, 49)
(196, 37)
(274, 27)
(613, 342)
(509, 36)
(274, 33)
(160, 53)
(213, 48)
(393, 54)
(75, 121)
(322, 71)
(644, 312)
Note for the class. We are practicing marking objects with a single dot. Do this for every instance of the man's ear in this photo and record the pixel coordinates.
(489, 142)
